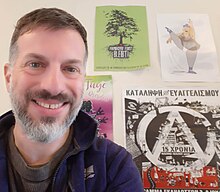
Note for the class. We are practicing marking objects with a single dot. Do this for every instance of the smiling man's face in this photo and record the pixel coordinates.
(46, 82)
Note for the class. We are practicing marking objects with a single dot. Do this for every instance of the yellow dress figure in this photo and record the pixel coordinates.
(186, 42)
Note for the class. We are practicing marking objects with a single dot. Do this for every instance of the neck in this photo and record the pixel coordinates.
(37, 153)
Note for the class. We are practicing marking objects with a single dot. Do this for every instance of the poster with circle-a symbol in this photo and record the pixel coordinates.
(174, 136)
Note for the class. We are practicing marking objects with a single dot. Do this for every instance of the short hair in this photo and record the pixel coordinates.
(50, 18)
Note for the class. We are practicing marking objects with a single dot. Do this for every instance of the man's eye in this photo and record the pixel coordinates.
(71, 69)
(34, 68)
(35, 65)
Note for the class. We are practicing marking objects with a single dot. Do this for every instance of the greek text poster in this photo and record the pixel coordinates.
(121, 38)
(98, 103)
(187, 48)
(174, 137)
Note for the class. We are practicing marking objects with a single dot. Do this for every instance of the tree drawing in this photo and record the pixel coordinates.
(98, 115)
(87, 106)
(120, 25)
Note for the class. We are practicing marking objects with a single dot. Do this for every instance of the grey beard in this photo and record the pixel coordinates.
(46, 129)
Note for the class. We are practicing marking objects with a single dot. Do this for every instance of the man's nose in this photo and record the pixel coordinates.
(53, 81)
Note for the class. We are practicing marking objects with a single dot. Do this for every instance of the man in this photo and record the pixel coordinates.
(47, 143)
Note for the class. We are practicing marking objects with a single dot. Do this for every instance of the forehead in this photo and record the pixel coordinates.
(61, 41)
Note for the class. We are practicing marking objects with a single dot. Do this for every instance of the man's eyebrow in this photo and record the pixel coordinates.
(73, 61)
(42, 57)
(35, 56)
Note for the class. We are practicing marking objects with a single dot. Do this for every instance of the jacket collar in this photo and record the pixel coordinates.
(85, 128)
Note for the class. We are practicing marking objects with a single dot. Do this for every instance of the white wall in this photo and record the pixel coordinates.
(84, 10)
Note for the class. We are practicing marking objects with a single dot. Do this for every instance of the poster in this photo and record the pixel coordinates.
(97, 103)
(187, 48)
(174, 137)
(121, 38)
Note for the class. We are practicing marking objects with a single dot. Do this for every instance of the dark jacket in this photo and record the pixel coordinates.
(91, 165)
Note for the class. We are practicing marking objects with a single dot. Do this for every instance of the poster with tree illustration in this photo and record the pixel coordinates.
(97, 103)
(121, 38)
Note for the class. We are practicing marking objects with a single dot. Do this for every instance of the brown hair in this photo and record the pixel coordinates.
(50, 18)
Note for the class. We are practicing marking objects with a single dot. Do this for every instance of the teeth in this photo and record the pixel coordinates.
(49, 106)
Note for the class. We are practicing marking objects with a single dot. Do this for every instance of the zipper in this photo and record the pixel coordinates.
(75, 151)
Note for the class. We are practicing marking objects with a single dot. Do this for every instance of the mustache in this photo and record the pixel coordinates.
(44, 94)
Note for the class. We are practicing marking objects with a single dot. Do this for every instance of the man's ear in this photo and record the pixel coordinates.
(7, 74)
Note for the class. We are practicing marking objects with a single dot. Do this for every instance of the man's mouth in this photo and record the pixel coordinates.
(49, 106)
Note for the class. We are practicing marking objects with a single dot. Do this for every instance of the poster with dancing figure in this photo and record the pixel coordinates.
(97, 102)
(187, 49)
(174, 137)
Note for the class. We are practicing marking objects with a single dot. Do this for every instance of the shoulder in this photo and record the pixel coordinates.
(120, 168)
(7, 120)
(108, 147)
(112, 153)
